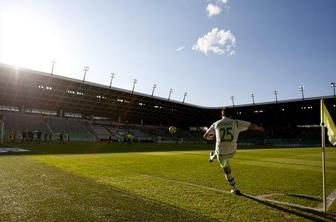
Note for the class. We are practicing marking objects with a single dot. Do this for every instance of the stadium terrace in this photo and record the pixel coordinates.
(32, 100)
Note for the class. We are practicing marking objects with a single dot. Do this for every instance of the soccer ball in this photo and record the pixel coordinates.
(204, 128)
(172, 129)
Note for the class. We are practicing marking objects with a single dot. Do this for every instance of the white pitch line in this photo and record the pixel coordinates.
(259, 197)
(330, 199)
(189, 184)
(262, 196)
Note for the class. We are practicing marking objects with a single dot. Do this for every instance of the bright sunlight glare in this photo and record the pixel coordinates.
(28, 41)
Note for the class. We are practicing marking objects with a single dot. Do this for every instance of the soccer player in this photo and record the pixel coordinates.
(226, 132)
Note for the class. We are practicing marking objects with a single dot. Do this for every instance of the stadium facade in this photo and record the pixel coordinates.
(25, 91)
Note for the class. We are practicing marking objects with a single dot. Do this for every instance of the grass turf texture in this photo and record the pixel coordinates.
(158, 186)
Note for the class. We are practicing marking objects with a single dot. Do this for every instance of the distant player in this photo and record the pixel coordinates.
(226, 132)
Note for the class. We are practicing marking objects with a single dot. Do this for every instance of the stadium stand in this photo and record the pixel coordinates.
(57, 124)
(24, 122)
(79, 131)
(72, 127)
(36, 101)
(101, 132)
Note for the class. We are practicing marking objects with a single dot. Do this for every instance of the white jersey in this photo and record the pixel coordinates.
(227, 131)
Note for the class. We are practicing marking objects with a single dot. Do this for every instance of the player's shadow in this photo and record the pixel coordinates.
(309, 214)
(304, 197)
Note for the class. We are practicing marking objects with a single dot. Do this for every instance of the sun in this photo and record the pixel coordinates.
(28, 41)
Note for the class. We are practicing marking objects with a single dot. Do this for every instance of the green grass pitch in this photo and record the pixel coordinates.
(150, 182)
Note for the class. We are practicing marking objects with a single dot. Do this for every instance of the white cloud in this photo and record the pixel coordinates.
(218, 42)
(180, 48)
(224, 4)
(223, 1)
(213, 10)
(217, 8)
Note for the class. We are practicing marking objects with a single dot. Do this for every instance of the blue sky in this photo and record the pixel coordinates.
(265, 45)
